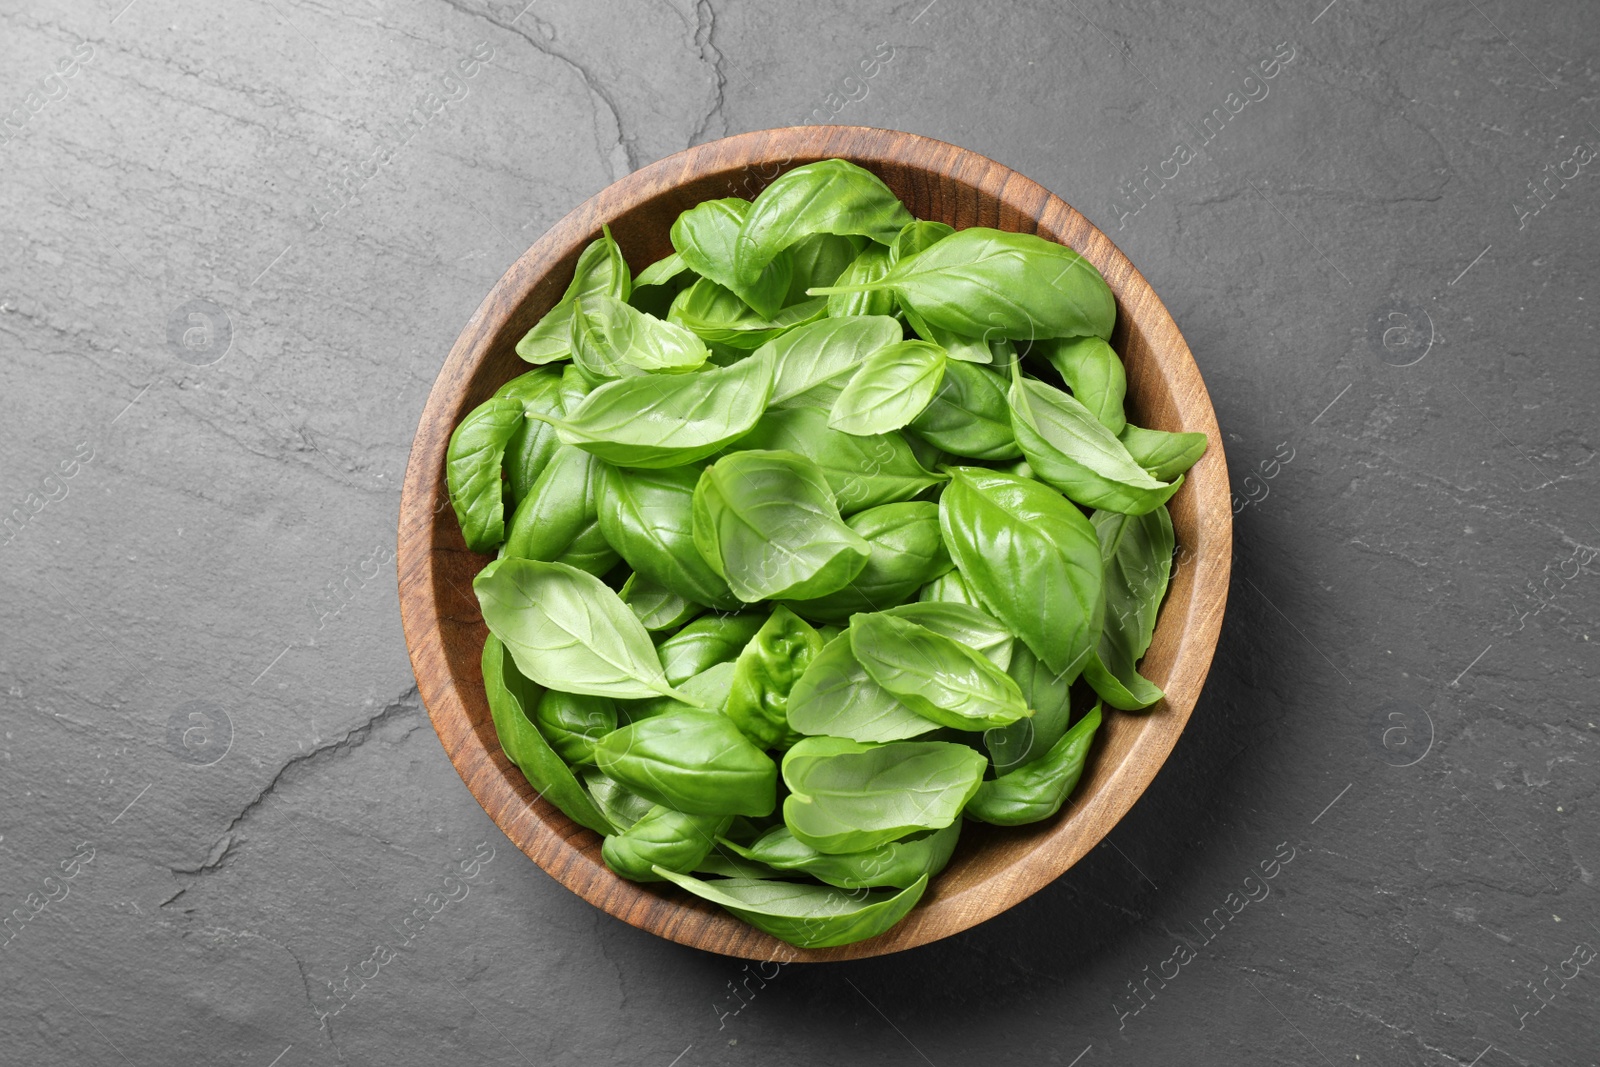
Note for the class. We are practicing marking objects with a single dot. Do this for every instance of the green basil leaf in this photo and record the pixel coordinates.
(989, 283)
(1163, 455)
(1032, 559)
(870, 264)
(600, 269)
(835, 697)
(949, 588)
(810, 916)
(896, 863)
(706, 691)
(829, 196)
(558, 521)
(767, 522)
(1068, 448)
(648, 516)
(848, 797)
(472, 470)
(819, 260)
(662, 271)
(717, 315)
(510, 695)
(705, 642)
(573, 388)
(905, 552)
(611, 339)
(812, 363)
(667, 420)
(956, 347)
(1137, 553)
(1037, 789)
(705, 236)
(916, 236)
(863, 472)
(1094, 373)
(764, 675)
(1050, 697)
(658, 607)
(662, 840)
(937, 677)
(621, 806)
(573, 722)
(723, 863)
(533, 443)
(970, 415)
(695, 762)
(969, 625)
(892, 387)
(566, 628)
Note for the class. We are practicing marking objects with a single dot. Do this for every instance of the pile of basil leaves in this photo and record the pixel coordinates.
(804, 535)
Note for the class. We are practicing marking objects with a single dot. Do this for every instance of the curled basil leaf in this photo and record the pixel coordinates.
(870, 264)
(767, 522)
(1032, 559)
(533, 443)
(812, 363)
(1068, 448)
(905, 552)
(987, 283)
(970, 415)
(672, 419)
(717, 315)
(819, 260)
(862, 471)
(829, 196)
(1162, 454)
(969, 625)
(600, 269)
(662, 840)
(705, 237)
(845, 796)
(1036, 790)
(916, 236)
(558, 521)
(1094, 373)
(566, 628)
(658, 607)
(949, 588)
(1050, 697)
(764, 675)
(895, 863)
(1137, 551)
(835, 697)
(510, 695)
(891, 388)
(662, 271)
(472, 470)
(573, 722)
(705, 642)
(810, 916)
(611, 339)
(648, 516)
(695, 762)
(937, 677)
(621, 806)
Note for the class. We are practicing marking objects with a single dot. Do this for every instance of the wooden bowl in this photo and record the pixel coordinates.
(993, 868)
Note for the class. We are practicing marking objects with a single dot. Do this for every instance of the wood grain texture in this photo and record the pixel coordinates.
(994, 867)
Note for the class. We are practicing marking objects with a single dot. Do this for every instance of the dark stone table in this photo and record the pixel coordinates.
(240, 239)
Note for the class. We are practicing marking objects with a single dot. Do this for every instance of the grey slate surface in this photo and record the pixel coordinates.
(231, 273)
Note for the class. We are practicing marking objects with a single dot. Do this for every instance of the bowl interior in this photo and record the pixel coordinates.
(993, 867)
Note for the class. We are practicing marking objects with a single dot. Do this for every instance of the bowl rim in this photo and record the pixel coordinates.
(570, 853)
